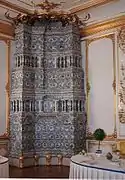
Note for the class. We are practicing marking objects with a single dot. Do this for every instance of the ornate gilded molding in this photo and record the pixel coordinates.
(48, 6)
(115, 133)
(36, 160)
(121, 38)
(21, 161)
(8, 43)
(60, 159)
(48, 159)
(4, 136)
(88, 133)
(14, 6)
(88, 87)
(109, 137)
(6, 29)
(110, 36)
(48, 13)
(7, 88)
(103, 26)
(121, 45)
(122, 117)
(114, 85)
(86, 68)
(89, 4)
(82, 7)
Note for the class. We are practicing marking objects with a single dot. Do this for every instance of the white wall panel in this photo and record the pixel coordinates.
(3, 57)
(101, 102)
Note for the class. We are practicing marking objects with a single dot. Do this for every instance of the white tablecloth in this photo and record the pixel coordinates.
(82, 167)
(4, 167)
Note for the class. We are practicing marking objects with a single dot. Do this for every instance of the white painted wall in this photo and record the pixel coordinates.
(101, 103)
(3, 57)
(101, 98)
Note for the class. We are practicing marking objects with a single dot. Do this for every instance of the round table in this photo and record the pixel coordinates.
(4, 167)
(84, 167)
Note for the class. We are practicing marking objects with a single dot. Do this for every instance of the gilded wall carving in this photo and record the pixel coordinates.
(121, 38)
(121, 43)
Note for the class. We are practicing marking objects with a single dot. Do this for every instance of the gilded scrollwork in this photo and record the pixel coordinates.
(122, 116)
(49, 14)
(114, 85)
(121, 38)
(88, 87)
(121, 44)
(7, 88)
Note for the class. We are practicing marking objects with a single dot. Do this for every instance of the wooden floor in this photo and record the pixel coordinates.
(40, 172)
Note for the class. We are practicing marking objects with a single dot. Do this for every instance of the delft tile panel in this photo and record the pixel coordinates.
(47, 91)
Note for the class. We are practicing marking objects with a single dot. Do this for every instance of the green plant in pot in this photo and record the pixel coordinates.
(99, 135)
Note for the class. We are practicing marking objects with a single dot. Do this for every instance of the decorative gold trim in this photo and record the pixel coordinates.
(120, 45)
(109, 137)
(114, 83)
(89, 4)
(21, 161)
(88, 42)
(26, 3)
(48, 159)
(36, 160)
(6, 29)
(118, 65)
(122, 117)
(110, 36)
(15, 7)
(8, 86)
(48, 13)
(114, 86)
(121, 37)
(4, 136)
(87, 88)
(82, 7)
(60, 159)
(102, 26)
(48, 6)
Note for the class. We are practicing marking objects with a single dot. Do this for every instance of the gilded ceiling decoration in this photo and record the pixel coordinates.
(45, 12)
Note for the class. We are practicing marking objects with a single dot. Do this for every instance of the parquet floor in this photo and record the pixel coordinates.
(40, 172)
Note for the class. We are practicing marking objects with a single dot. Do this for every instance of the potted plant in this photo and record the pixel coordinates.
(99, 135)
